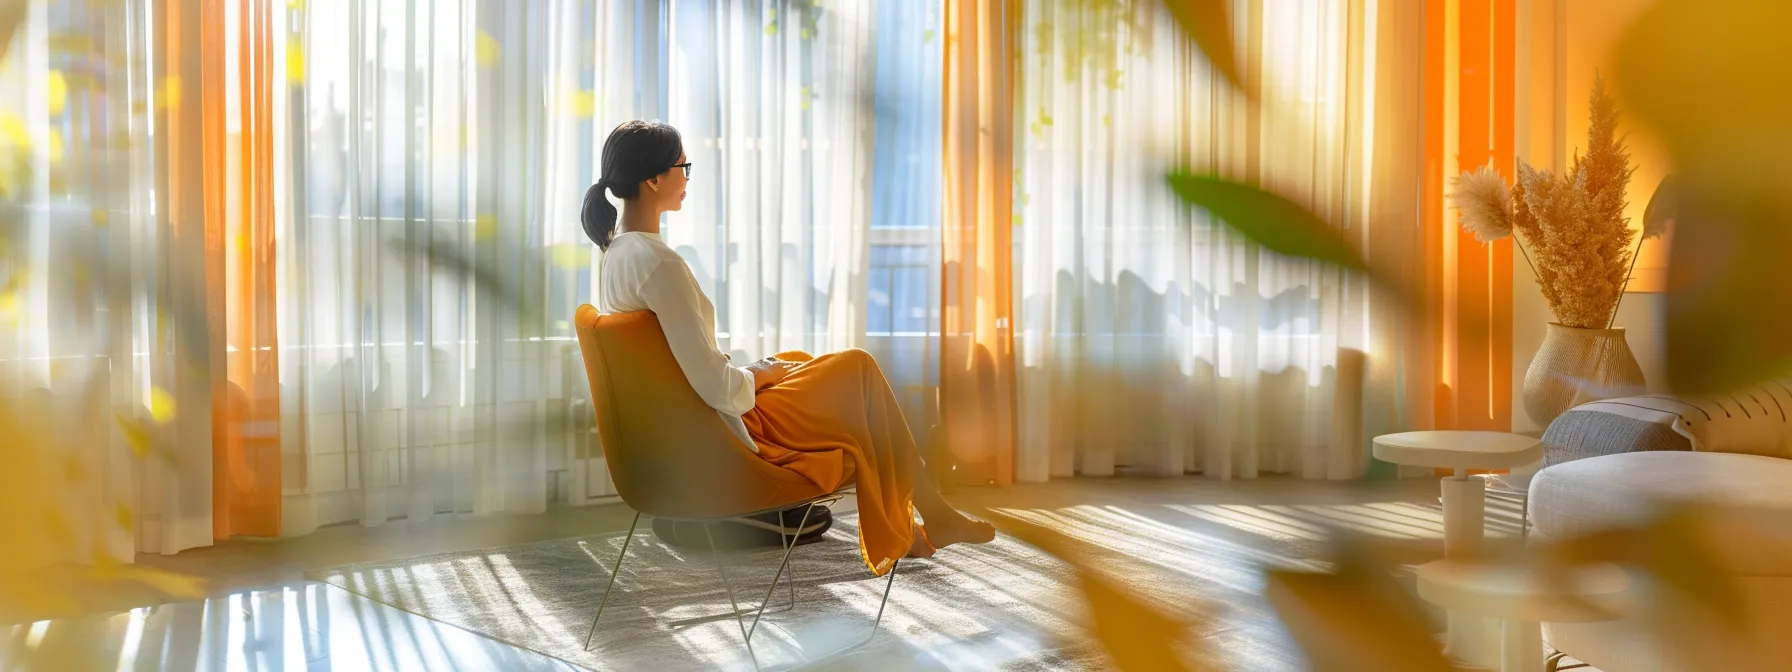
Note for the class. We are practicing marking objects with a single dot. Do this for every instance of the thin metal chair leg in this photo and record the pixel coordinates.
(732, 603)
(880, 609)
(793, 539)
(613, 572)
(886, 601)
(759, 613)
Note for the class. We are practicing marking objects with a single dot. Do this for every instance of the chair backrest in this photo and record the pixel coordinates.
(668, 452)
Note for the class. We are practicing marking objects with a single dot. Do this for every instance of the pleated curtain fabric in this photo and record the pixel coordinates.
(977, 345)
(1153, 339)
(111, 352)
(316, 263)
(269, 266)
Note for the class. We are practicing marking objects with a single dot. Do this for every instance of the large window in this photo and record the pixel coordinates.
(902, 295)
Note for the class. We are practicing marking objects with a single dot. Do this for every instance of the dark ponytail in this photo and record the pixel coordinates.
(598, 216)
(634, 152)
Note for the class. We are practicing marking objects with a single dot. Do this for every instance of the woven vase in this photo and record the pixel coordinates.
(1576, 366)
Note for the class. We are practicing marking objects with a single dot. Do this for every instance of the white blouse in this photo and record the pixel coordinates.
(639, 272)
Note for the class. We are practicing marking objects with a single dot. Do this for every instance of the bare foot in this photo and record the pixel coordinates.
(921, 547)
(961, 531)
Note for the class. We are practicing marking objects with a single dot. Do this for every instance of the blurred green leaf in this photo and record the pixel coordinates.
(1210, 26)
(1698, 608)
(1341, 627)
(1272, 221)
(1670, 548)
(1135, 635)
(1284, 227)
(1356, 617)
(1711, 79)
(449, 258)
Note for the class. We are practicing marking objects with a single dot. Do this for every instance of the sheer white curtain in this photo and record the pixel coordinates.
(426, 166)
(101, 289)
(434, 259)
(431, 255)
(1152, 337)
(773, 100)
(903, 293)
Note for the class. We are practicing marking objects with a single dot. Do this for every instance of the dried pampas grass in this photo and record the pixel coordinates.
(1485, 202)
(1572, 226)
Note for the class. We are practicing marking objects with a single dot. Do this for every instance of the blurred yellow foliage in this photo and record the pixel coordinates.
(570, 256)
(35, 532)
(15, 155)
(295, 65)
(169, 95)
(580, 104)
(486, 50)
(135, 433)
(58, 93)
(161, 405)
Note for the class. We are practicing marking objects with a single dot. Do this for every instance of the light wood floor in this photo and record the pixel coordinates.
(263, 614)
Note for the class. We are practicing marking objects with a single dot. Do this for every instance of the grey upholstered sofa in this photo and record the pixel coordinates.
(1608, 463)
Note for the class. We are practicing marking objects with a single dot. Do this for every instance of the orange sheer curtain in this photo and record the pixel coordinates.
(977, 376)
(1470, 283)
(239, 229)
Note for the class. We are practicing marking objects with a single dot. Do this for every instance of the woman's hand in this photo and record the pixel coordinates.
(767, 372)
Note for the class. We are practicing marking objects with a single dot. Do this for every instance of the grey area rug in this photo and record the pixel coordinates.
(1003, 605)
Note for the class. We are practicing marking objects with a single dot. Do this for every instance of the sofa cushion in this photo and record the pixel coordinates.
(1755, 420)
(1587, 431)
(1575, 498)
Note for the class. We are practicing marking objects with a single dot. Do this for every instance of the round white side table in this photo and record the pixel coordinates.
(1465, 505)
(1465, 499)
(1516, 595)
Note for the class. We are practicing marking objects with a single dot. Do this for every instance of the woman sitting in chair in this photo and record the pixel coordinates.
(831, 418)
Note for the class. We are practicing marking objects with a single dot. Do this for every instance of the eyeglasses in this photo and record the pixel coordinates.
(685, 166)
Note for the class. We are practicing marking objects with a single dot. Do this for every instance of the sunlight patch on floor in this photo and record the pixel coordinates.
(1139, 538)
(1256, 520)
(1313, 522)
(133, 639)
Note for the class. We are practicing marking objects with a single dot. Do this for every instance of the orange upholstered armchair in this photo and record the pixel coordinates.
(669, 453)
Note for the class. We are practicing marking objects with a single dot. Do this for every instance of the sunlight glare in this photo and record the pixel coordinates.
(133, 638)
(36, 635)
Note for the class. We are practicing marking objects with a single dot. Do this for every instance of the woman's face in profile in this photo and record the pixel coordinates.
(672, 185)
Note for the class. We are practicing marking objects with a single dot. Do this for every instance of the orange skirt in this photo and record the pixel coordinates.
(835, 421)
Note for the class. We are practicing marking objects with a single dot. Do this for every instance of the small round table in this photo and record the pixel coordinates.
(1465, 499)
(1464, 503)
(1518, 596)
